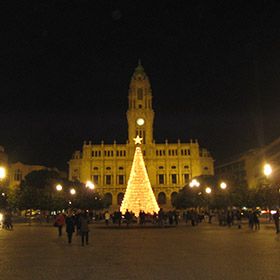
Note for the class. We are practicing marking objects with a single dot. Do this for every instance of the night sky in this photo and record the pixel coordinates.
(214, 68)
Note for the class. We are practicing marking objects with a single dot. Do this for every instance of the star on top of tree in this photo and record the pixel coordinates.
(138, 140)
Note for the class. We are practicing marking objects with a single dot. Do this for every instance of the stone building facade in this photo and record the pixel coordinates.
(169, 165)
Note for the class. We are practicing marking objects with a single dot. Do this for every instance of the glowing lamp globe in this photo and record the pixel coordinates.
(2, 172)
(267, 170)
(73, 191)
(208, 190)
(59, 188)
(223, 185)
(90, 185)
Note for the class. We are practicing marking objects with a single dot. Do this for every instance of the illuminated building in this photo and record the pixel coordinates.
(169, 165)
(246, 170)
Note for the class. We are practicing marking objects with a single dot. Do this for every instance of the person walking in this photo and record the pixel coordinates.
(70, 226)
(84, 221)
(107, 218)
(59, 223)
(276, 220)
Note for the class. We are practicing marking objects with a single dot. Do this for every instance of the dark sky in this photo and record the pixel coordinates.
(214, 67)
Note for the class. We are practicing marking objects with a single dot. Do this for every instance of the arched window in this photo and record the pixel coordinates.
(108, 168)
(162, 198)
(108, 198)
(120, 198)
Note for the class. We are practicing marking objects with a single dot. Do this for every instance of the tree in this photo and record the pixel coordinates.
(139, 194)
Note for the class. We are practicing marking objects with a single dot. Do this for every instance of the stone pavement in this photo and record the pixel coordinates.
(203, 252)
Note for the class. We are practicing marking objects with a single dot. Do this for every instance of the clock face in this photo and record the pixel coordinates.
(140, 121)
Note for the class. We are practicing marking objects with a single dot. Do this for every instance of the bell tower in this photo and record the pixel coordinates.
(140, 115)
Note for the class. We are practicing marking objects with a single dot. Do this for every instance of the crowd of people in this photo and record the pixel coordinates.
(78, 221)
(193, 216)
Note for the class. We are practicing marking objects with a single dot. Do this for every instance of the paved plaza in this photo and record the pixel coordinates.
(184, 252)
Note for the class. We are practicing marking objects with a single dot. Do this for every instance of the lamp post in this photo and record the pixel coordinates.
(3, 198)
(267, 171)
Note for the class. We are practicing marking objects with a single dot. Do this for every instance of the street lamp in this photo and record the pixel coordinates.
(90, 185)
(223, 185)
(72, 191)
(59, 188)
(2, 172)
(208, 190)
(194, 183)
(267, 169)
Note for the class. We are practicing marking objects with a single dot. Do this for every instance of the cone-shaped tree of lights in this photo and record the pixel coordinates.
(139, 194)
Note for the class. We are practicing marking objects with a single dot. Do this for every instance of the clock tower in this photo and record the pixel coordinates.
(140, 115)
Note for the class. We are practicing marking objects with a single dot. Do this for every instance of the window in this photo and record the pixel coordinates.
(205, 168)
(160, 167)
(186, 178)
(140, 93)
(108, 168)
(161, 179)
(95, 179)
(95, 168)
(121, 179)
(174, 178)
(18, 175)
(108, 179)
(186, 167)
(173, 167)
(120, 168)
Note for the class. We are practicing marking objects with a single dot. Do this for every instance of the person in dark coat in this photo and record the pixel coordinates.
(70, 226)
(276, 220)
(60, 222)
(84, 221)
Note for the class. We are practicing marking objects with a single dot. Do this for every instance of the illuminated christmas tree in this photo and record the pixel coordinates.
(139, 194)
